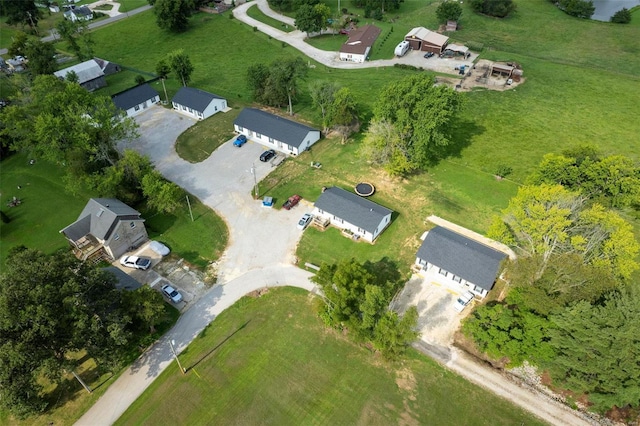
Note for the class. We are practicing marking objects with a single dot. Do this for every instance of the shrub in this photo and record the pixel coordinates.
(377, 14)
(448, 11)
(497, 8)
(578, 8)
(140, 79)
(623, 16)
(255, 29)
(503, 171)
(344, 10)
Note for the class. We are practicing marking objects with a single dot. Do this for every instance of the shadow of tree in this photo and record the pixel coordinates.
(461, 132)
(218, 345)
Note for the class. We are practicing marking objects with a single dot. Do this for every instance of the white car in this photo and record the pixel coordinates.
(136, 262)
(172, 293)
(304, 221)
(463, 301)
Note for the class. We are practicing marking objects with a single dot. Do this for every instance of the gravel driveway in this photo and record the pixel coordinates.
(259, 237)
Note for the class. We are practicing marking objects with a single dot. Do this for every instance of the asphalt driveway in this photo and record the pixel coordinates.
(259, 237)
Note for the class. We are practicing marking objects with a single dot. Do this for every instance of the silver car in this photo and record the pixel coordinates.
(172, 293)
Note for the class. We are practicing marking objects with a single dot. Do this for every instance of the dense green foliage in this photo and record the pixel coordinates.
(623, 16)
(24, 12)
(51, 305)
(547, 220)
(357, 297)
(77, 36)
(172, 15)
(411, 128)
(181, 65)
(578, 8)
(449, 10)
(497, 8)
(277, 84)
(312, 19)
(597, 349)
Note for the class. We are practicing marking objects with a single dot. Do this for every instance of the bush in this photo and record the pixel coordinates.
(578, 8)
(497, 8)
(140, 79)
(448, 11)
(344, 10)
(406, 67)
(503, 171)
(255, 29)
(623, 16)
(377, 15)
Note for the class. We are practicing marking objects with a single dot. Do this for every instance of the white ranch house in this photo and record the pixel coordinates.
(134, 101)
(348, 211)
(467, 264)
(275, 132)
(197, 103)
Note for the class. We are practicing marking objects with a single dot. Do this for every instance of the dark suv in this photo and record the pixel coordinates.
(267, 155)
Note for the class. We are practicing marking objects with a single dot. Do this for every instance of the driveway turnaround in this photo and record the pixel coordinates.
(260, 252)
(331, 59)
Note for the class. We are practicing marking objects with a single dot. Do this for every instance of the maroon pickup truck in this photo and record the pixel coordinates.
(291, 202)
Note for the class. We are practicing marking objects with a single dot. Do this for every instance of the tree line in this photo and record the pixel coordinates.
(573, 306)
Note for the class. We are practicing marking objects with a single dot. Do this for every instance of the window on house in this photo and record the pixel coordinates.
(215, 108)
(362, 231)
(240, 128)
(258, 135)
(270, 140)
(191, 110)
(136, 108)
(132, 225)
(457, 279)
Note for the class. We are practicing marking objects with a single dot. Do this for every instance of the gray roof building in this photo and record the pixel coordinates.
(352, 208)
(86, 71)
(275, 127)
(193, 98)
(134, 96)
(99, 218)
(461, 256)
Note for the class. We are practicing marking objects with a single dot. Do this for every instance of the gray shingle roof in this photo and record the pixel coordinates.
(86, 71)
(195, 99)
(352, 208)
(273, 126)
(135, 96)
(461, 256)
(99, 218)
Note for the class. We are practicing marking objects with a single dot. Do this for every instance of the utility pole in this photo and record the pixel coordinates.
(171, 343)
(255, 181)
(190, 212)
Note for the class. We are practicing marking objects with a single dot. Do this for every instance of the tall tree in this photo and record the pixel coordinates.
(41, 57)
(322, 94)
(161, 195)
(61, 122)
(172, 15)
(342, 114)
(598, 349)
(50, 305)
(23, 12)
(285, 78)
(307, 19)
(449, 10)
(547, 220)
(257, 76)
(421, 114)
(163, 70)
(497, 8)
(77, 36)
(181, 65)
(18, 46)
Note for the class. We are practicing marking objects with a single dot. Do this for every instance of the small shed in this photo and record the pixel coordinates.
(502, 69)
(451, 26)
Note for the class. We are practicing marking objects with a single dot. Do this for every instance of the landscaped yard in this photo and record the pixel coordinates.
(250, 367)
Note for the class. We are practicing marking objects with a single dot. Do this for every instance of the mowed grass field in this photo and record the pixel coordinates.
(47, 208)
(248, 367)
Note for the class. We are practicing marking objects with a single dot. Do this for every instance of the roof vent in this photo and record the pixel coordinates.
(100, 212)
(370, 210)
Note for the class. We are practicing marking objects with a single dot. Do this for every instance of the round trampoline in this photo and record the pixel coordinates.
(365, 189)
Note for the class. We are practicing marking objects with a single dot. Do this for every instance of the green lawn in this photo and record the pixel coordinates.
(269, 360)
(47, 207)
(255, 13)
(198, 142)
(128, 5)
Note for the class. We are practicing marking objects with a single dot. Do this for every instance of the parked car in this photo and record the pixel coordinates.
(428, 55)
(267, 155)
(240, 140)
(304, 221)
(291, 202)
(136, 262)
(172, 293)
(463, 301)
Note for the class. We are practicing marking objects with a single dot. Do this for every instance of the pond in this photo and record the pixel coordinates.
(606, 8)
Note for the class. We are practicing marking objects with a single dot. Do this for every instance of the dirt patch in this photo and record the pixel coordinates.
(479, 76)
(405, 380)
(259, 292)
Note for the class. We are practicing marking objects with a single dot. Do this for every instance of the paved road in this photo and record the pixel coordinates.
(97, 24)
